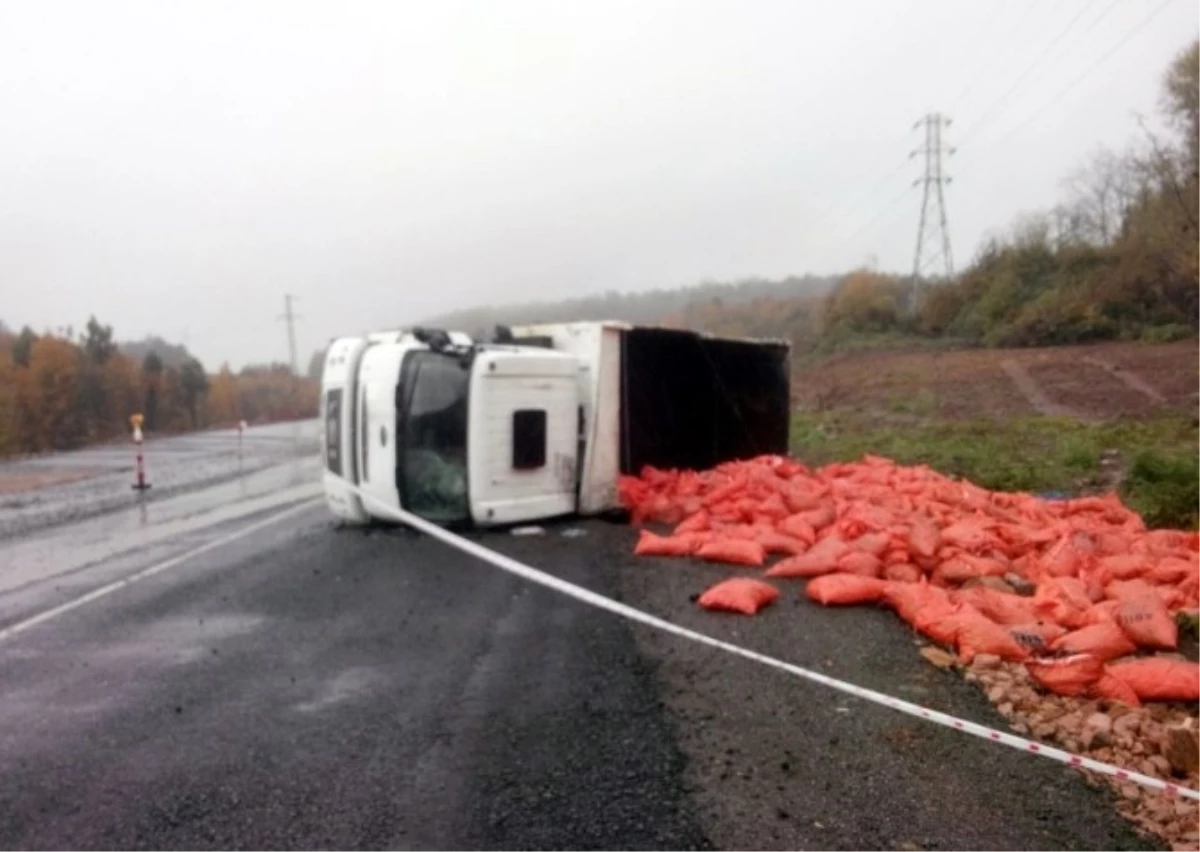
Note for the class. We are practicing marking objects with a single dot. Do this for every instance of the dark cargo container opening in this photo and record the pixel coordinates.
(688, 401)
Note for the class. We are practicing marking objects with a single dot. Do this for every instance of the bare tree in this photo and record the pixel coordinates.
(1101, 193)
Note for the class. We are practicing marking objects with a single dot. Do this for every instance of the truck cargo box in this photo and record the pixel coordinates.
(668, 398)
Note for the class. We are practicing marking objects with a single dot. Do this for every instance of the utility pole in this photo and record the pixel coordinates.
(933, 234)
(290, 318)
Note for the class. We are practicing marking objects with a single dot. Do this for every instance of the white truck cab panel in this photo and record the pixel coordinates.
(375, 442)
(523, 435)
(338, 457)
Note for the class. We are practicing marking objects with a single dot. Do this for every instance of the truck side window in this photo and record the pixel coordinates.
(529, 439)
(431, 437)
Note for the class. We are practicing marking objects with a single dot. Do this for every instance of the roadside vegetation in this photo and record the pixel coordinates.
(1151, 463)
(59, 391)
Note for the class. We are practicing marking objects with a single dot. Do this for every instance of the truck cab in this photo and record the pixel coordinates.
(454, 432)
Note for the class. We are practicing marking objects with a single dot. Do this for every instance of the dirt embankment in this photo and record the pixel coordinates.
(1091, 382)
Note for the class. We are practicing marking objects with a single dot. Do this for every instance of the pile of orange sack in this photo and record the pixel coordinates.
(1078, 590)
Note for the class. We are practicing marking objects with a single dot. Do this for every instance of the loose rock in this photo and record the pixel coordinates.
(1097, 730)
(936, 656)
(1182, 749)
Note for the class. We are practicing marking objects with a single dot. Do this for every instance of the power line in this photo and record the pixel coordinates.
(1091, 68)
(1103, 13)
(845, 200)
(958, 100)
(970, 131)
(905, 193)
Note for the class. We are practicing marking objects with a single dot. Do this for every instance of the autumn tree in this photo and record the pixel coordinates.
(221, 400)
(55, 366)
(865, 301)
(9, 415)
(193, 386)
(1181, 104)
(98, 342)
(22, 347)
(152, 382)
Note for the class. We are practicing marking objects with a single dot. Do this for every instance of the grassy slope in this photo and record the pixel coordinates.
(1152, 461)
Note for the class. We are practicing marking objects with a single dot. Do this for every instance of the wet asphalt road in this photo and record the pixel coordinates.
(316, 689)
(308, 687)
(98, 480)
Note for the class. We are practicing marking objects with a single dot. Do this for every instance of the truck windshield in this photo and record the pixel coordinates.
(432, 463)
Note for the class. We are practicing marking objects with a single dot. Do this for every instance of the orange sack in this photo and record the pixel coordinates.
(798, 528)
(1105, 640)
(650, 544)
(1147, 623)
(844, 589)
(978, 634)
(902, 573)
(924, 538)
(821, 559)
(861, 563)
(873, 543)
(1114, 689)
(1036, 637)
(777, 542)
(1063, 600)
(940, 621)
(964, 567)
(1159, 678)
(739, 594)
(735, 551)
(1000, 607)
(909, 599)
(698, 522)
(1073, 675)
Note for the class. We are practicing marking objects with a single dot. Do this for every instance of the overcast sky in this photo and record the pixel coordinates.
(176, 167)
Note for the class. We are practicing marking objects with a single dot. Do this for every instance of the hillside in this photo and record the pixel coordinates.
(1070, 419)
(675, 306)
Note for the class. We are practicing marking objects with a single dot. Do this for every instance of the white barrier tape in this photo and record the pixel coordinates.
(511, 565)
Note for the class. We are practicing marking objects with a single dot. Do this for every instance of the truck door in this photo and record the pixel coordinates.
(375, 421)
(523, 435)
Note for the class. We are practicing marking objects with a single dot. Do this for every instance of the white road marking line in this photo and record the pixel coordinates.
(25, 561)
(145, 573)
(511, 565)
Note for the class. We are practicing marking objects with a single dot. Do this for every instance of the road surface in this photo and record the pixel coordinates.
(304, 686)
(96, 480)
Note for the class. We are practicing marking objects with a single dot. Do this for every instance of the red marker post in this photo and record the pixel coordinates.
(140, 483)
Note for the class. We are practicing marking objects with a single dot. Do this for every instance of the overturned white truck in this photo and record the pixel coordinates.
(540, 421)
